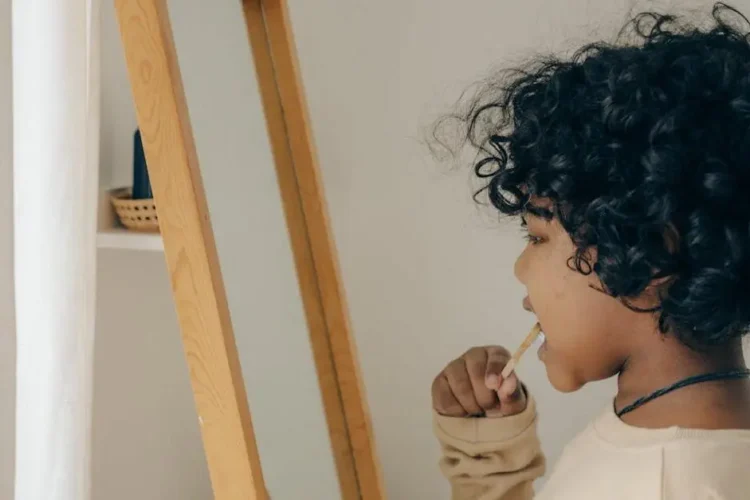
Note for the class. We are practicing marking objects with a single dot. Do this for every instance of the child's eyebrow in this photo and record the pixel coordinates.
(537, 211)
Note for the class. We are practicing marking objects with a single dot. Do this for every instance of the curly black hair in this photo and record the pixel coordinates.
(643, 148)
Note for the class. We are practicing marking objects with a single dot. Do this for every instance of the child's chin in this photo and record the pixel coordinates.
(562, 381)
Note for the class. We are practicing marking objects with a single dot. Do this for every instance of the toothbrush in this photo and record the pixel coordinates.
(533, 335)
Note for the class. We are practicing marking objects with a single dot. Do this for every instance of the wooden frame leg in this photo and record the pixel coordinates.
(345, 403)
(226, 427)
(229, 443)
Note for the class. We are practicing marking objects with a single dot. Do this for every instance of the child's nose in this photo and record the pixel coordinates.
(519, 269)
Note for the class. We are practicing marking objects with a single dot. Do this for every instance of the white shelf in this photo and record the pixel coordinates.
(122, 239)
(112, 235)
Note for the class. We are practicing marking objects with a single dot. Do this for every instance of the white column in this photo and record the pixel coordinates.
(55, 152)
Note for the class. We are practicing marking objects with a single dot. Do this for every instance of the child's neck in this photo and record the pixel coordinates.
(710, 405)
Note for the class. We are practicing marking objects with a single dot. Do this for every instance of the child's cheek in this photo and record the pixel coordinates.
(551, 298)
(572, 318)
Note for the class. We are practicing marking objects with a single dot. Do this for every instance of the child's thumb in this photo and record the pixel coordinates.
(512, 398)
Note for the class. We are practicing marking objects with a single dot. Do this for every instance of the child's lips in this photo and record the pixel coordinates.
(541, 340)
(527, 305)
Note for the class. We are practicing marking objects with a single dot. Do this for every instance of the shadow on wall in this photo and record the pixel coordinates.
(7, 324)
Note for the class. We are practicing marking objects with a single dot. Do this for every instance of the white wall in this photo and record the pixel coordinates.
(427, 276)
(146, 441)
(7, 326)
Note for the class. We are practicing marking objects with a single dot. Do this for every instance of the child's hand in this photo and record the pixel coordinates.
(472, 386)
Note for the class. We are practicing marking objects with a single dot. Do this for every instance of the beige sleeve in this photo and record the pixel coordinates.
(491, 458)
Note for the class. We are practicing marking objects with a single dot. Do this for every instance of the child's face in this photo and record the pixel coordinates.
(588, 333)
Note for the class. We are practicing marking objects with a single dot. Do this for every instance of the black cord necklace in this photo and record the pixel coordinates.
(695, 379)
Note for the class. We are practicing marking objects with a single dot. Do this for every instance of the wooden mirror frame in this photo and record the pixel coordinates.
(197, 285)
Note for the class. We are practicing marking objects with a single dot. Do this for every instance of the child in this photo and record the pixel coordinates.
(629, 166)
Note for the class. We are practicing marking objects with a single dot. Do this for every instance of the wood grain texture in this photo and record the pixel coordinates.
(190, 250)
(334, 349)
(303, 259)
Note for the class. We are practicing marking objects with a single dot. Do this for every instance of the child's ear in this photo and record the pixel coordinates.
(658, 287)
(652, 296)
(655, 292)
(650, 299)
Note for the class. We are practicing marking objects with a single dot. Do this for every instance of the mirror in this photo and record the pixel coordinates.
(426, 273)
(254, 249)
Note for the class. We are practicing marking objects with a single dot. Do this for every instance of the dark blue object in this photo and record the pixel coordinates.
(141, 182)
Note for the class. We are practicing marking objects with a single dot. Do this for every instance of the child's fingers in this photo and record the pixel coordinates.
(443, 400)
(508, 387)
(473, 385)
(497, 358)
(476, 363)
(512, 397)
(460, 383)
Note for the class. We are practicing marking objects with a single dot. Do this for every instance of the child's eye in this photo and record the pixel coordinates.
(532, 239)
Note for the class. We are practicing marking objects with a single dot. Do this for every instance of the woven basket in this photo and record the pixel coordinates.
(137, 215)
